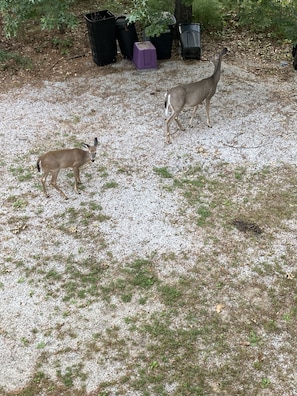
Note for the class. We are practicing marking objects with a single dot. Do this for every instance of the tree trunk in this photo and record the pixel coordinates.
(183, 14)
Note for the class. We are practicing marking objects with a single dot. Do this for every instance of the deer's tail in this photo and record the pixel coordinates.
(167, 103)
(38, 165)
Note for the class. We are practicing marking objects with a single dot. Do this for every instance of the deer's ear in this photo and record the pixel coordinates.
(95, 142)
(224, 51)
(85, 145)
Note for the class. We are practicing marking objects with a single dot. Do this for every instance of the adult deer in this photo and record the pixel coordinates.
(53, 161)
(192, 95)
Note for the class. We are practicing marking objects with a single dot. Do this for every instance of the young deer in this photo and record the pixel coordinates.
(192, 95)
(53, 161)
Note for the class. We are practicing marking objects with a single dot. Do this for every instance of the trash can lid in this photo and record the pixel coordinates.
(122, 21)
(183, 27)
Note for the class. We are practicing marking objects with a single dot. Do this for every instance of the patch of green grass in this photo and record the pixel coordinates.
(264, 199)
(53, 276)
(136, 277)
(140, 274)
(77, 221)
(75, 119)
(102, 171)
(169, 347)
(108, 185)
(93, 206)
(63, 44)
(82, 280)
(11, 60)
(75, 281)
(17, 203)
(25, 341)
(22, 174)
(68, 376)
(239, 173)
(41, 345)
(163, 172)
(169, 295)
(204, 213)
(265, 382)
(40, 382)
(254, 339)
(20, 203)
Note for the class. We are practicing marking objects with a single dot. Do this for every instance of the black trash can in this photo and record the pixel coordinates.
(102, 35)
(126, 36)
(190, 40)
(163, 44)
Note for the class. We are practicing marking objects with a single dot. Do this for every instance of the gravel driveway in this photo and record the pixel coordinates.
(254, 125)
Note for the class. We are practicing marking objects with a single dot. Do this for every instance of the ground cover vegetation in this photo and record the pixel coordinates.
(216, 329)
(276, 16)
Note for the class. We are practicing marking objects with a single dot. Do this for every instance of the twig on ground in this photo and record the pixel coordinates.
(67, 59)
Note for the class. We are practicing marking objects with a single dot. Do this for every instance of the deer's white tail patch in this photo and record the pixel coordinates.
(167, 104)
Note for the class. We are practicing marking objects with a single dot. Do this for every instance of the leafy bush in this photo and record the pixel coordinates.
(153, 15)
(50, 14)
(12, 60)
(208, 13)
(278, 17)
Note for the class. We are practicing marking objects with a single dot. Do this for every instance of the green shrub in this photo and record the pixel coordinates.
(153, 15)
(208, 13)
(277, 17)
(50, 14)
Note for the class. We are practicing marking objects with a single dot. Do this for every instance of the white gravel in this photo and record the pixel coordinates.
(254, 124)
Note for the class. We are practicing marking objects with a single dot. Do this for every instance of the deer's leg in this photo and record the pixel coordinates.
(77, 179)
(207, 106)
(174, 116)
(179, 124)
(54, 183)
(167, 132)
(193, 115)
(43, 181)
(168, 121)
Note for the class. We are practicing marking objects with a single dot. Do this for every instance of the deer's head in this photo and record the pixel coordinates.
(91, 149)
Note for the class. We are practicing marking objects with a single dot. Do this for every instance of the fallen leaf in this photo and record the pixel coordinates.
(19, 228)
(73, 229)
(289, 275)
(245, 343)
(219, 308)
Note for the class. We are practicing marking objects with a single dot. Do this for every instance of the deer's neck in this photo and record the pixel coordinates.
(217, 72)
